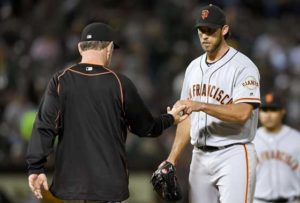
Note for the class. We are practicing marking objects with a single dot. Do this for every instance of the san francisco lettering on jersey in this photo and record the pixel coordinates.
(208, 90)
(278, 155)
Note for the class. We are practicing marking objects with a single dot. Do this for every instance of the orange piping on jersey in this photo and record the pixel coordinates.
(56, 120)
(121, 94)
(69, 69)
(85, 74)
(58, 77)
(63, 72)
(109, 71)
(254, 99)
(58, 88)
(247, 173)
(120, 84)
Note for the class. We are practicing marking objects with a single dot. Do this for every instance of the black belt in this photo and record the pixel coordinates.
(278, 200)
(207, 148)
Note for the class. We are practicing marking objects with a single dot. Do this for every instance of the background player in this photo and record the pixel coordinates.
(222, 88)
(277, 146)
(90, 108)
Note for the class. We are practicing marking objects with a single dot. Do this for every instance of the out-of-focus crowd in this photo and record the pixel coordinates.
(157, 39)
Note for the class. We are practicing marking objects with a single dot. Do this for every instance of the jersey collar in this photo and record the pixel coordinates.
(221, 62)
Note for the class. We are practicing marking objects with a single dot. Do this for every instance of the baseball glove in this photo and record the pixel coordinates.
(165, 182)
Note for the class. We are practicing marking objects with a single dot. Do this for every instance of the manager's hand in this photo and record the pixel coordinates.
(37, 183)
(191, 106)
(178, 113)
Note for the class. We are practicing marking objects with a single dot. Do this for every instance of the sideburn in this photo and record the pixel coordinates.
(217, 44)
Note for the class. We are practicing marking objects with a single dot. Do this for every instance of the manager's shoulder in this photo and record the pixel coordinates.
(126, 82)
(58, 74)
(56, 77)
(122, 77)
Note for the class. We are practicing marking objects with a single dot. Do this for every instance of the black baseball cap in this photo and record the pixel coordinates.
(271, 101)
(211, 16)
(99, 32)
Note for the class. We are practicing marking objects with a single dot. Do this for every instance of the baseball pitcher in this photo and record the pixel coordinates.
(221, 92)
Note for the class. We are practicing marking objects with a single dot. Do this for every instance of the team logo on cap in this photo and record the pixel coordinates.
(204, 14)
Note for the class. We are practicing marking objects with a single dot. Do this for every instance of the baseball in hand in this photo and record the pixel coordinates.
(181, 113)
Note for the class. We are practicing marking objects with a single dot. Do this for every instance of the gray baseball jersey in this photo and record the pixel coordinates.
(278, 170)
(232, 79)
(225, 175)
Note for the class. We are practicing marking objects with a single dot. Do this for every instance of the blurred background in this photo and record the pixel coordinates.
(39, 37)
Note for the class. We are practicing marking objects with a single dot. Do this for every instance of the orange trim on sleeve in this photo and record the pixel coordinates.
(58, 77)
(253, 99)
(120, 85)
(56, 120)
(247, 173)
(58, 88)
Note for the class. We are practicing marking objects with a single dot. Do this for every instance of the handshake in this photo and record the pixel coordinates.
(182, 109)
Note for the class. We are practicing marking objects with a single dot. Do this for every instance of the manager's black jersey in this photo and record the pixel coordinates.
(90, 108)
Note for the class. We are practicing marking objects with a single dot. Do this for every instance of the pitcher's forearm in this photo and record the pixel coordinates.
(235, 113)
(182, 138)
